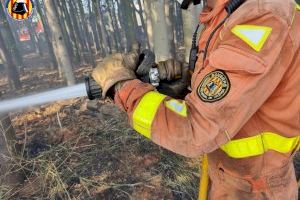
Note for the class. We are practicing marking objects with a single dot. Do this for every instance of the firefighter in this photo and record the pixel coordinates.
(244, 106)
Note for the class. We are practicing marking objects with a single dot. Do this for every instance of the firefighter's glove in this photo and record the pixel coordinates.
(177, 88)
(170, 70)
(115, 68)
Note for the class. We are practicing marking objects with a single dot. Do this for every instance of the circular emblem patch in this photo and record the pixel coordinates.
(214, 86)
(19, 9)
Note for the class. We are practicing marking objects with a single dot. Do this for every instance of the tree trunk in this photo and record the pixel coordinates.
(70, 31)
(147, 8)
(169, 11)
(34, 38)
(162, 44)
(113, 25)
(64, 27)
(9, 38)
(190, 22)
(178, 24)
(47, 36)
(60, 49)
(122, 31)
(86, 34)
(11, 68)
(128, 20)
(90, 28)
(101, 27)
(117, 26)
(76, 29)
(93, 39)
(96, 31)
(131, 7)
(141, 14)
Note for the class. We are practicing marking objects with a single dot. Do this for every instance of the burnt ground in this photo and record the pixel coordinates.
(80, 149)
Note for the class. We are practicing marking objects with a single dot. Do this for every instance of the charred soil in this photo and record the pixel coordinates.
(80, 149)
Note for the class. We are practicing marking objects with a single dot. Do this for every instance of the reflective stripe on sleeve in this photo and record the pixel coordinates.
(145, 111)
(177, 107)
(258, 145)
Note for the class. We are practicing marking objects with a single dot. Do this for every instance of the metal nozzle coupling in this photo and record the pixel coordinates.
(93, 89)
(154, 77)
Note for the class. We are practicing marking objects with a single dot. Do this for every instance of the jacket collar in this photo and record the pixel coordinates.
(209, 13)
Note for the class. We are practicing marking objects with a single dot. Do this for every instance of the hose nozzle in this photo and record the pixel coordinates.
(92, 88)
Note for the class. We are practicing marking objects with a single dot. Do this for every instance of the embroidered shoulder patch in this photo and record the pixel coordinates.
(254, 36)
(214, 86)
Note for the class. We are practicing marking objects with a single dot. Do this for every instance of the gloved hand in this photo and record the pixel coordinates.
(115, 68)
(176, 79)
(170, 70)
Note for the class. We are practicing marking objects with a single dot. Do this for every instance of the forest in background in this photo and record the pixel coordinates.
(76, 33)
(82, 149)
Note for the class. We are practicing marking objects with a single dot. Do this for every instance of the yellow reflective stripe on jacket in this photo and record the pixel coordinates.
(298, 6)
(258, 145)
(145, 112)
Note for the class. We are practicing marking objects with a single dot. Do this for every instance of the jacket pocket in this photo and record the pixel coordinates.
(234, 60)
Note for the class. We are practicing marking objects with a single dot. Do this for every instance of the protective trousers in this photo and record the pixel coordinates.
(280, 184)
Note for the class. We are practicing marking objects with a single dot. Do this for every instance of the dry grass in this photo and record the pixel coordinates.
(70, 152)
(94, 155)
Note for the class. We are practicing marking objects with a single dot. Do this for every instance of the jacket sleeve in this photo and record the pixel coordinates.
(235, 83)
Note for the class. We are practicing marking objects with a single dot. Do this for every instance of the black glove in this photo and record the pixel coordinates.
(174, 76)
(176, 88)
(170, 70)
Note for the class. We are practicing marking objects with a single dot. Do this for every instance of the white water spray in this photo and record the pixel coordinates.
(43, 98)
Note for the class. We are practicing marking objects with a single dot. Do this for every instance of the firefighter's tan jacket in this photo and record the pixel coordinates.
(244, 108)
